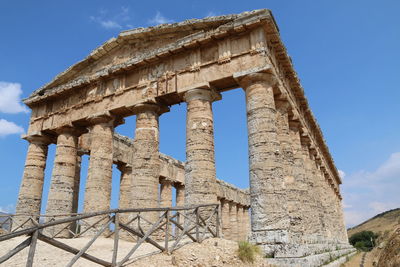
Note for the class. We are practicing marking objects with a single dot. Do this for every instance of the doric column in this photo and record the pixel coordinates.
(77, 181)
(180, 195)
(98, 182)
(200, 176)
(146, 162)
(165, 193)
(125, 188)
(269, 222)
(226, 225)
(125, 198)
(312, 202)
(180, 202)
(31, 189)
(246, 222)
(63, 182)
(240, 223)
(233, 223)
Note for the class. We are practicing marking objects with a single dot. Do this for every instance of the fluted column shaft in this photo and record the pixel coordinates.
(166, 193)
(31, 189)
(125, 188)
(240, 223)
(233, 221)
(226, 225)
(61, 193)
(98, 182)
(200, 176)
(268, 199)
(146, 163)
(180, 195)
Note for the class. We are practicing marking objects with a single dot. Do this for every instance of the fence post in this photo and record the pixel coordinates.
(166, 230)
(197, 225)
(116, 239)
(32, 249)
(218, 222)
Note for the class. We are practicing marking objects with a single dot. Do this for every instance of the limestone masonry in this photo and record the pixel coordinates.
(293, 208)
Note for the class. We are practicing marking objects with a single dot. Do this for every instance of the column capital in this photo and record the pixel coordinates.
(105, 118)
(149, 107)
(282, 105)
(39, 138)
(72, 130)
(205, 94)
(256, 75)
(124, 167)
(165, 180)
(294, 125)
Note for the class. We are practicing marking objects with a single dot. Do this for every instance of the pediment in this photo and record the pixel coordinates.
(133, 44)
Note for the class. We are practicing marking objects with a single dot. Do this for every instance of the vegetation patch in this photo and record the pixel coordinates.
(248, 252)
(364, 241)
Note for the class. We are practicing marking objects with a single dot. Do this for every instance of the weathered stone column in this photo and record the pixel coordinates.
(63, 181)
(146, 162)
(269, 222)
(226, 225)
(200, 176)
(125, 188)
(180, 195)
(31, 189)
(77, 181)
(240, 223)
(98, 182)
(165, 193)
(180, 202)
(125, 199)
(233, 214)
(247, 225)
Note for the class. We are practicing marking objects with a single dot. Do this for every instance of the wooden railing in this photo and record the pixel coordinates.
(174, 227)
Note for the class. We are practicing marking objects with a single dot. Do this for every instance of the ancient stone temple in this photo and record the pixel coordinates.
(293, 207)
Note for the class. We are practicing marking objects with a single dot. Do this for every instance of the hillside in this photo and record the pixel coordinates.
(387, 251)
(381, 223)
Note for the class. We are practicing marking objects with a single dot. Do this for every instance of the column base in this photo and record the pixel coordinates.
(331, 258)
(276, 244)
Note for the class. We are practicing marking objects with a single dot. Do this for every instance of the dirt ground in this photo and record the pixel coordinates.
(212, 252)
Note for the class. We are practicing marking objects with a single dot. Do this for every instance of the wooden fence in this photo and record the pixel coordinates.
(194, 223)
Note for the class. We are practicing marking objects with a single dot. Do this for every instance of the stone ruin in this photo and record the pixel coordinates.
(294, 199)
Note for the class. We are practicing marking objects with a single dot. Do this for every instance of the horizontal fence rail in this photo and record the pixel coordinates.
(166, 229)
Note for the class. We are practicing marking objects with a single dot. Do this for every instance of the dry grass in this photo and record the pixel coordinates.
(248, 252)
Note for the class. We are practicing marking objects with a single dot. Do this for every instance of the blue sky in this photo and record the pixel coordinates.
(346, 54)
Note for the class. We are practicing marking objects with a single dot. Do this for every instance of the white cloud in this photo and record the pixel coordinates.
(211, 14)
(10, 98)
(159, 19)
(113, 20)
(8, 127)
(7, 209)
(368, 193)
(342, 174)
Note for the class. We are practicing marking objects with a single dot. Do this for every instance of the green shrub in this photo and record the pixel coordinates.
(247, 252)
(364, 240)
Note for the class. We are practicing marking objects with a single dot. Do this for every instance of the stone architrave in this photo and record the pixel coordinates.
(31, 189)
(200, 174)
(63, 182)
(98, 182)
(270, 220)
